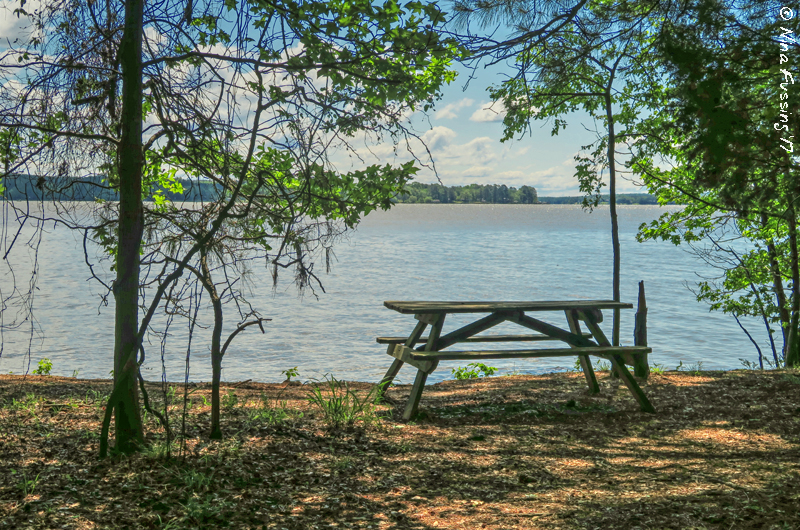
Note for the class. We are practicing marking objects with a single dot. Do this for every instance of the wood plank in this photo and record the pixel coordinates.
(416, 334)
(478, 338)
(472, 329)
(586, 363)
(391, 373)
(427, 307)
(422, 374)
(416, 393)
(618, 364)
(428, 318)
(452, 355)
(553, 331)
(436, 330)
(598, 314)
(403, 353)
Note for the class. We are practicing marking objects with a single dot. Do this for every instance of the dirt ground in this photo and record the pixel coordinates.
(722, 451)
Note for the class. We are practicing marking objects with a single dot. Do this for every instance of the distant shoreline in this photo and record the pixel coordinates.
(623, 199)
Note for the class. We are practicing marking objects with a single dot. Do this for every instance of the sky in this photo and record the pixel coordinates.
(463, 134)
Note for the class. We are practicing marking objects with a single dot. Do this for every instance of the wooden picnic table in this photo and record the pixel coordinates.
(579, 343)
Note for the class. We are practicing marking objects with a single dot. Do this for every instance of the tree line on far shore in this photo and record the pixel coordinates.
(23, 187)
(417, 192)
(32, 187)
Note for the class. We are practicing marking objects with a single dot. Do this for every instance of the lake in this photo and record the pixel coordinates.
(412, 252)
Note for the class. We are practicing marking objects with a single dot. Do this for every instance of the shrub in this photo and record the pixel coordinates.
(473, 371)
(45, 365)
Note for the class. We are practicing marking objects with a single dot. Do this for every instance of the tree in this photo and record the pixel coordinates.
(726, 139)
(233, 77)
(579, 65)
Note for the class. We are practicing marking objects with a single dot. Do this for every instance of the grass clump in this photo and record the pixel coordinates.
(273, 413)
(341, 406)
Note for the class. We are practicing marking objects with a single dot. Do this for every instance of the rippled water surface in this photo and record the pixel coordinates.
(413, 252)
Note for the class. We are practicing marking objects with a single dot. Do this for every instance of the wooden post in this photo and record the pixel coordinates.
(586, 363)
(641, 367)
(618, 364)
(397, 364)
(436, 322)
(416, 394)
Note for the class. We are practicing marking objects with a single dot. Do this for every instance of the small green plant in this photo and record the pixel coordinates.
(289, 373)
(159, 450)
(45, 365)
(75, 373)
(206, 511)
(27, 404)
(26, 485)
(206, 402)
(341, 406)
(657, 369)
(272, 413)
(344, 463)
(750, 365)
(696, 368)
(598, 367)
(773, 365)
(192, 479)
(473, 371)
(230, 400)
(693, 369)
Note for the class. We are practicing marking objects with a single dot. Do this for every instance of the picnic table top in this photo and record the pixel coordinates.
(490, 307)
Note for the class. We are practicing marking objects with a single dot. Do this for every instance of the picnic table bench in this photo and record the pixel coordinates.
(579, 343)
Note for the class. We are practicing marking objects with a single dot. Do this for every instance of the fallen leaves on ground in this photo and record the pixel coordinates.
(722, 451)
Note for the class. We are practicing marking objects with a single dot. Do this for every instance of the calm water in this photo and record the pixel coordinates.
(413, 252)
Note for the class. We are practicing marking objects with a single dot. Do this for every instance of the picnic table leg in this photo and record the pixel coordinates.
(416, 394)
(586, 363)
(436, 322)
(397, 364)
(618, 364)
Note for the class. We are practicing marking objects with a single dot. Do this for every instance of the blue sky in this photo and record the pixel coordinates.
(464, 134)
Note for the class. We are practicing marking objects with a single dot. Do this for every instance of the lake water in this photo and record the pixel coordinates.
(412, 252)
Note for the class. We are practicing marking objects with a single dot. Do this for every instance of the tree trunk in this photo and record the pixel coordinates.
(777, 284)
(129, 433)
(216, 351)
(792, 359)
(612, 206)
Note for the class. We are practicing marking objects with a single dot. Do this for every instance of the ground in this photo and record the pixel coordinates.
(722, 451)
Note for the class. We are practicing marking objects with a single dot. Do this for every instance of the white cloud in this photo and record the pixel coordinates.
(489, 111)
(438, 138)
(12, 26)
(477, 151)
(450, 111)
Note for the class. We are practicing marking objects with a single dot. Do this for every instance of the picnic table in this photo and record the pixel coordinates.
(579, 343)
